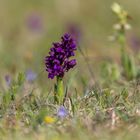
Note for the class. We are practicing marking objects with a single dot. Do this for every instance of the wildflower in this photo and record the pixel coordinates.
(129, 68)
(62, 112)
(30, 76)
(58, 62)
(8, 80)
(123, 17)
(75, 32)
(34, 22)
(49, 120)
(116, 8)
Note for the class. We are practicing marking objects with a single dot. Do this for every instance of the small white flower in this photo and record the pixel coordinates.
(117, 26)
(127, 26)
(116, 8)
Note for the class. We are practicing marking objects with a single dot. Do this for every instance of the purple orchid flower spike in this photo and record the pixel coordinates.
(58, 62)
(30, 76)
(62, 112)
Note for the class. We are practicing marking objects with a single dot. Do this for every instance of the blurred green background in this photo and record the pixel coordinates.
(24, 43)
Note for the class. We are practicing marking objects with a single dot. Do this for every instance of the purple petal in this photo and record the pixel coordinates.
(30, 75)
(62, 112)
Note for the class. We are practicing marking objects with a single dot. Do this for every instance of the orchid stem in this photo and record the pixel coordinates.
(60, 90)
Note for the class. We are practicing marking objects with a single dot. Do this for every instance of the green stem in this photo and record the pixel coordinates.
(60, 90)
(122, 42)
(125, 60)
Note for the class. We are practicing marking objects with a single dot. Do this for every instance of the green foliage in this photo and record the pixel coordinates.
(10, 95)
(110, 72)
(130, 70)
